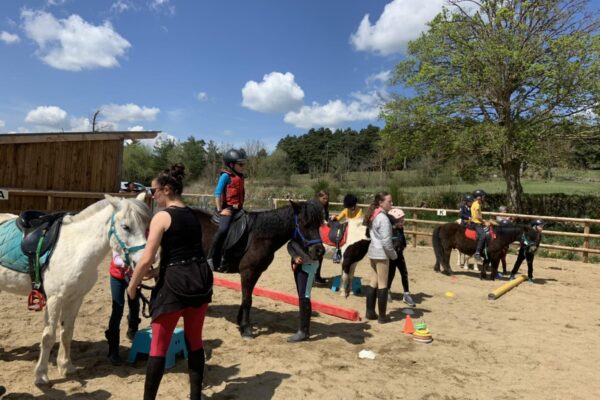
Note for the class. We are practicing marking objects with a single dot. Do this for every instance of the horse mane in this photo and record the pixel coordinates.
(141, 212)
(266, 224)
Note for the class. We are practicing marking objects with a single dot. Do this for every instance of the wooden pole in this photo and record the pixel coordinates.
(586, 241)
(506, 287)
(415, 225)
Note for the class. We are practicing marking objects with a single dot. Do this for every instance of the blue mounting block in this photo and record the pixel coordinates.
(143, 339)
(356, 284)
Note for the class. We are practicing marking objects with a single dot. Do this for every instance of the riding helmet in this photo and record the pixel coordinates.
(468, 198)
(233, 156)
(350, 201)
(537, 222)
(479, 193)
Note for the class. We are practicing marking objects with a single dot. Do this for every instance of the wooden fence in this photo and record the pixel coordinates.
(413, 224)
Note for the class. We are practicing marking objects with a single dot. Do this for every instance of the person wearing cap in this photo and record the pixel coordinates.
(477, 223)
(527, 251)
(396, 216)
(229, 199)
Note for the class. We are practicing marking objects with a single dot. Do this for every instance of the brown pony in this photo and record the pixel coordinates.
(267, 231)
(452, 236)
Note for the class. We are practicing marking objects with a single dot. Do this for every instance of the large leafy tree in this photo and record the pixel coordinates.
(498, 79)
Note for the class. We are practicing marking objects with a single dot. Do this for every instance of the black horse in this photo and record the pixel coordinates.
(452, 236)
(266, 232)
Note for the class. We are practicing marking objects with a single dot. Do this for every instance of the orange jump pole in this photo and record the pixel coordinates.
(328, 309)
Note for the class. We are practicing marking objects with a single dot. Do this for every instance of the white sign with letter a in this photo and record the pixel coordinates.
(3, 194)
(441, 213)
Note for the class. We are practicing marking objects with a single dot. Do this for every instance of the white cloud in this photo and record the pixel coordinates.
(73, 44)
(47, 117)
(162, 5)
(383, 77)
(137, 128)
(276, 93)
(337, 113)
(120, 6)
(202, 96)
(400, 22)
(129, 112)
(2, 124)
(82, 124)
(9, 38)
(161, 137)
(56, 2)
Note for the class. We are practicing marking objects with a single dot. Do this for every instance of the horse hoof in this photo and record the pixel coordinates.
(42, 380)
(246, 333)
(66, 370)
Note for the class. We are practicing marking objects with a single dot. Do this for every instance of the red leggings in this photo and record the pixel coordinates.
(164, 325)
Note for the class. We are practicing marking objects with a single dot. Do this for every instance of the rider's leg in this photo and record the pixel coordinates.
(214, 254)
(480, 241)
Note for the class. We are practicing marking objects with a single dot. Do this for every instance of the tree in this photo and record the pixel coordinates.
(138, 163)
(193, 157)
(498, 80)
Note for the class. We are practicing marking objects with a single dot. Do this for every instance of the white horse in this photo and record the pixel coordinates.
(84, 241)
(356, 232)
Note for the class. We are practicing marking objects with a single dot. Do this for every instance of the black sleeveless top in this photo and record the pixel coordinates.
(183, 240)
(180, 243)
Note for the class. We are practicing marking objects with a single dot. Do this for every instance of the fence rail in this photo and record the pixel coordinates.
(414, 223)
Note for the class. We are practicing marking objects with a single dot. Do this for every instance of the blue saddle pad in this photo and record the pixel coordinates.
(11, 255)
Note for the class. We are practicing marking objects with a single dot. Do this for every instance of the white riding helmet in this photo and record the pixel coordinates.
(397, 213)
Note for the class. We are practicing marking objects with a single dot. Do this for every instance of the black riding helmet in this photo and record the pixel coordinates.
(537, 222)
(233, 156)
(468, 198)
(350, 201)
(479, 193)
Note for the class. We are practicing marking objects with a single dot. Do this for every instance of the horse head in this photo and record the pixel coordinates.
(308, 217)
(530, 238)
(127, 226)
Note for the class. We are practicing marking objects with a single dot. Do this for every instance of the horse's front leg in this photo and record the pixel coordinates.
(483, 268)
(68, 315)
(446, 261)
(494, 272)
(51, 317)
(243, 319)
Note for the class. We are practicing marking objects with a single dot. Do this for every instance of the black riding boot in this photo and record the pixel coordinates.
(113, 338)
(304, 331)
(154, 373)
(133, 328)
(370, 295)
(214, 253)
(196, 372)
(382, 299)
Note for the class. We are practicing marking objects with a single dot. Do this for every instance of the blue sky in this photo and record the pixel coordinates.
(229, 71)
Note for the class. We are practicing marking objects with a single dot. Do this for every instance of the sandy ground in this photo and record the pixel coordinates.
(537, 342)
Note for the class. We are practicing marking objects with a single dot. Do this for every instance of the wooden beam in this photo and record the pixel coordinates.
(74, 136)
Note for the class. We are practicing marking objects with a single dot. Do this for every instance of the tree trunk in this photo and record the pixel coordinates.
(514, 191)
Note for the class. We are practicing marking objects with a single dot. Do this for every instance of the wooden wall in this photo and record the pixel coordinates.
(80, 166)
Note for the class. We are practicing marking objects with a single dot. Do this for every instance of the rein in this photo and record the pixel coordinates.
(126, 250)
(145, 301)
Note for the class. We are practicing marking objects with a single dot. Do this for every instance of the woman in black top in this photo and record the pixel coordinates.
(184, 286)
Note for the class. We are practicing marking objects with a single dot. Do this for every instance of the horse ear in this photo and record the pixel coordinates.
(141, 196)
(115, 201)
(295, 206)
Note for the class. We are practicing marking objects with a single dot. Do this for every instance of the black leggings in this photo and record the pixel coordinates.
(400, 263)
(524, 254)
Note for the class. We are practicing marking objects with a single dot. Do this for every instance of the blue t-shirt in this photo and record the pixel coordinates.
(224, 180)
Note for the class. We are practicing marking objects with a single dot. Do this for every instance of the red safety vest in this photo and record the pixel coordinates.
(233, 195)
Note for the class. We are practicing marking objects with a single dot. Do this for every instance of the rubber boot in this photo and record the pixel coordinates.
(382, 298)
(304, 330)
(370, 294)
(113, 338)
(154, 373)
(196, 372)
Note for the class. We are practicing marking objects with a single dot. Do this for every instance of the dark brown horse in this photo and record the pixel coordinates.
(267, 231)
(452, 236)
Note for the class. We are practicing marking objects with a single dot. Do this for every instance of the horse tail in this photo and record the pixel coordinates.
(437, 245)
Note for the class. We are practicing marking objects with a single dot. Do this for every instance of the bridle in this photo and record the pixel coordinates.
(298, 234)
(127, 250)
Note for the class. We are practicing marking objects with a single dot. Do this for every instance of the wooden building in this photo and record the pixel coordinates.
(34, 163)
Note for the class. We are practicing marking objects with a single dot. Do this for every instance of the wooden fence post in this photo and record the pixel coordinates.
(50, 203)
(274, 202)
(586, 241)
(415, 225)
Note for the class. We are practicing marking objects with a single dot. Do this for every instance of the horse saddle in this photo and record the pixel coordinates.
(238, 227)
(471, 233)
(334, 233)
(39, 230)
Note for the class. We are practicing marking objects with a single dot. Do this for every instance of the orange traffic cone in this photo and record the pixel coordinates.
(408, 326)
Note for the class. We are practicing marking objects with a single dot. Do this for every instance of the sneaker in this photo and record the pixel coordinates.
(499, 275)
(319, 281)
(512, 278)
(408, 299)
(530, 280)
